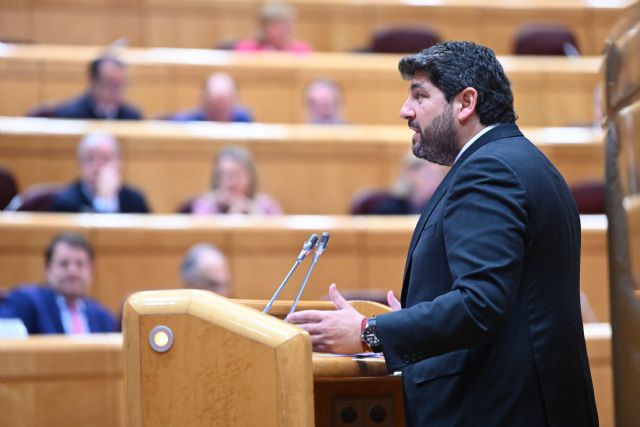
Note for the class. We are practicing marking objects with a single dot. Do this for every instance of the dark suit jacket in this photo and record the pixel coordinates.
(38, 309)
(82, 107)
(73, 199)
(239, 115)
(491, 332)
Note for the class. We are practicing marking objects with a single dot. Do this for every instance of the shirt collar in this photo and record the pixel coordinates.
(474, 139)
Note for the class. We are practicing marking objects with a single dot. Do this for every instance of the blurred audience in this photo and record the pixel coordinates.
(205, 267)
(100, 188)
(235, 188)
(61, 305)
(104, 98)
(275, 32)
(416, 183)
(218, 103)
(414, 187)
(324, 103)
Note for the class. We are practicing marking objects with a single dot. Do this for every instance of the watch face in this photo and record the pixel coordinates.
(370, 335)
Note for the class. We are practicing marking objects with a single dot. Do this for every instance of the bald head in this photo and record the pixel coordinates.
(324, 103)
(219, 98)
(205, 267)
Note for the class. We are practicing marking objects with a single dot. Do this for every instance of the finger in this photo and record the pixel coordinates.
(337, 298)
(393, 301)
(314, 329)
(306, 316)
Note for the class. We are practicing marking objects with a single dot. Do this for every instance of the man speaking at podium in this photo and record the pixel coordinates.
(488, 330)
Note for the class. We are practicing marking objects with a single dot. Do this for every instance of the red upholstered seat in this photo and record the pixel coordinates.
(545, 39)
(403, 39)
(38, 198)
(590, 197)
(366, 201)
(8, 187)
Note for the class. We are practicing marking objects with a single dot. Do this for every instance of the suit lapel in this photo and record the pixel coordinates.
(499, 132)
(54, 311)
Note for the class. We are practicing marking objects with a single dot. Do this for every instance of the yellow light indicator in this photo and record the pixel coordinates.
(161, 338)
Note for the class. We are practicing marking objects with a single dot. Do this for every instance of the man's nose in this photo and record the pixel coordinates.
(406, 113)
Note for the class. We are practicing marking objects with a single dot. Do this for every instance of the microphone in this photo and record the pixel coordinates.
(322, 246)
(306, 248)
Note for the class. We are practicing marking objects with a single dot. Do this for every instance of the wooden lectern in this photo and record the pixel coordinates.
(195, 358)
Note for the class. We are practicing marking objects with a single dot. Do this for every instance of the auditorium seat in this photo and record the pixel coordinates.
(402, 39)
(367, 201)
(8, 187)
(186, 206)
(545, 39)
(45, 111)
(37, 198)
(590, 197)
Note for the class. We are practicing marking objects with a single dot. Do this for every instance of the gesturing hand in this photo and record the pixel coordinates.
(393, 301)
(332, 331)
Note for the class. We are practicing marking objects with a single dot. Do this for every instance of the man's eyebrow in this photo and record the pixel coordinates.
(416, 86)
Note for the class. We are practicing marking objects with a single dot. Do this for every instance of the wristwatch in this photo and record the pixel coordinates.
(369, 335)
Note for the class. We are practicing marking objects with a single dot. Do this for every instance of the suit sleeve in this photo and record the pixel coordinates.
(484, 230)
(19, 305)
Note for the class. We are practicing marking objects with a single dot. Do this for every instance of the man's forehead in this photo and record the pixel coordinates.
(65, 249)
(420, 79)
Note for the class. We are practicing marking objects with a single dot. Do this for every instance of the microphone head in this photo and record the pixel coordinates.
(322, 245)
(308, 246)
(311, 243)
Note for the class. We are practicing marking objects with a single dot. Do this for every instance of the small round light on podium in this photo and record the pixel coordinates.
(161, 338)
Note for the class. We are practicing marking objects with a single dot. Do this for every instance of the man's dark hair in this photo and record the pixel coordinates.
(453, 66)
(96, 64)
(72, 239)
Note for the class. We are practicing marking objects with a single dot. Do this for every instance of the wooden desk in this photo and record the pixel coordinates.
(548, 91)
(329, 25)
(137, 252)
(41, 373)
(171, 162)
(62, 381)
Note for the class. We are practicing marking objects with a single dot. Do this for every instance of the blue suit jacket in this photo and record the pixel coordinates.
(491, 331)
(82, 107)
(73, 199)
(38, 309)
(239, 115)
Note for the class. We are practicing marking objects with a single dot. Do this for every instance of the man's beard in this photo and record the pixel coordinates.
(438, 142)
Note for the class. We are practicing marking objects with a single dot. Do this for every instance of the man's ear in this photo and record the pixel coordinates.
(467, 100)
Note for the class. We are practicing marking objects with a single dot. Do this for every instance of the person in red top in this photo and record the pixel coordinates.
(275, 32)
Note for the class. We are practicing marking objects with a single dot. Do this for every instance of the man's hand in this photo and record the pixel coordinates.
(393, 301)
(332, 331)
(108, 183)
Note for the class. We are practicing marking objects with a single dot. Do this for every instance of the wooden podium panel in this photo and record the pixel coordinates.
(232, 365)
(229, 365)
(61, 381)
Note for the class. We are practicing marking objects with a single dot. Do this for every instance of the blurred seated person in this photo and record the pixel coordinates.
(104, 98)
(100, 188)
(235, 188)
(218, 103)
(416, 184)
(61, 305)
(324, 103)
(275, 32)
(205, 267)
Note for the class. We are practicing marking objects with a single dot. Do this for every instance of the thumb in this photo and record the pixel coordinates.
(337, 299)
(393, 301)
